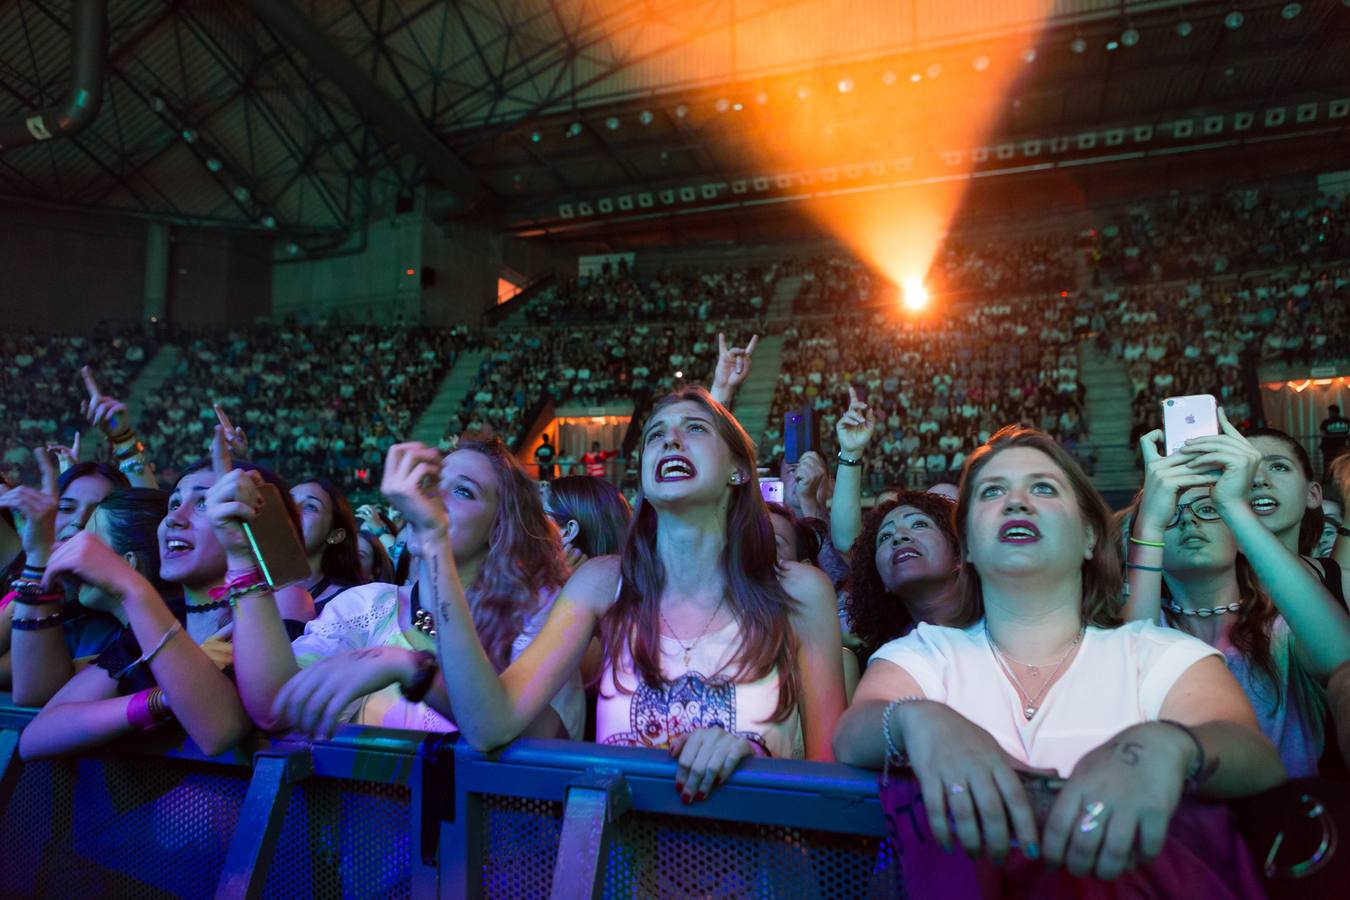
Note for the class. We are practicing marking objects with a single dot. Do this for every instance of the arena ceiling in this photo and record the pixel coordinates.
(578, 118)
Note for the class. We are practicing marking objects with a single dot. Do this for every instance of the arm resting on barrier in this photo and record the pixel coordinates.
(84, 715)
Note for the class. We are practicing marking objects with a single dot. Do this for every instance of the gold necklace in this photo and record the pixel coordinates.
(689, 648)
(1033, 704)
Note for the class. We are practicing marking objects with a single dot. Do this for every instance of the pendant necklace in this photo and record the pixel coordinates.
(1032, 703)
(689, 648)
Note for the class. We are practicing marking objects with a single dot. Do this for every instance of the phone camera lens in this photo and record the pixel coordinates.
(1171, 403)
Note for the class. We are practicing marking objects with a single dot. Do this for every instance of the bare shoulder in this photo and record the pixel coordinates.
(594, 585)
(807, 585)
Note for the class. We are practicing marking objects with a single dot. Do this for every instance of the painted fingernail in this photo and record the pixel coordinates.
(700, 796)
(679, 787)
(685, 798)
(1032, 851)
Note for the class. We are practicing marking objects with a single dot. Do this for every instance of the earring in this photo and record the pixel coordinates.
(736, 478)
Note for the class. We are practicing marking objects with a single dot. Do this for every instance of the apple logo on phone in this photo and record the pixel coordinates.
(1190, 420)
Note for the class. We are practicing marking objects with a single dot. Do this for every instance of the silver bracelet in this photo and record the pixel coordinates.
(895, 756)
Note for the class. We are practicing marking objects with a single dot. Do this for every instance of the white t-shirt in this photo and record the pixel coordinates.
(367, 616)
(1119, 678)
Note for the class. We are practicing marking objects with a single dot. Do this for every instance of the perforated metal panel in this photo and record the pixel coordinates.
(343, 839)
(673, 856)
(119, 827)
(520, 846)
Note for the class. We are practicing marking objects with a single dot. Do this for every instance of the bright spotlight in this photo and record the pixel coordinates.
(981, 63)
(1234, 20)
(916, 295)
(1184, 29)
(1078, 45)
(1130, 37)
(845, 85)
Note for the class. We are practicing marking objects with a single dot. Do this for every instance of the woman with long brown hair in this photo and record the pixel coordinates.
(1230, 581)
(497, 534)
(713, 651)
(1037, 674)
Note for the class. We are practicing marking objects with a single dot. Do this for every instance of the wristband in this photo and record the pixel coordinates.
(248, 579)
(895, 756)
(1135, 540)
(427, 667)
(235, 595)
(845, 461)
(147, 711)
(135, 449)
(39, 624)
(123, 436)
(30, 599)
(1130, 565)
(1196, 768)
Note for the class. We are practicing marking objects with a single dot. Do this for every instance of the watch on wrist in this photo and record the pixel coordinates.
(427, 667)
(844, 460)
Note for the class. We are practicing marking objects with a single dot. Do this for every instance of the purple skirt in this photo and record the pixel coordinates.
(1204, 857)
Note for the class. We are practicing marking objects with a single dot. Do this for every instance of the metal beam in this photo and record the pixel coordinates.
(443, 166)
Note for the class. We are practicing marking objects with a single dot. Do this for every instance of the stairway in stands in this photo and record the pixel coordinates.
(755, 397)
(1108, 417)
(430, 428)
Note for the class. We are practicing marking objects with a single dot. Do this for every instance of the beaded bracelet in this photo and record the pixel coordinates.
(239, 593)
(121, 437)
(1197, 768)
(40, 623)
(895, 756)
(136, 449)
(28, 599)
(248, 579)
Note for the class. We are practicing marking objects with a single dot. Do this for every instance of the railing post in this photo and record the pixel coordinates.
(260, 818)
(594, 801)
(10, 764)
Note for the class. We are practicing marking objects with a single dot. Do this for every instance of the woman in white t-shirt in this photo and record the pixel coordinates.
(1039, 674)
(511, 557)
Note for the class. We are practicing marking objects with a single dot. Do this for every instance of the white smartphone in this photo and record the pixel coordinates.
(771, 489)
(1188, 417)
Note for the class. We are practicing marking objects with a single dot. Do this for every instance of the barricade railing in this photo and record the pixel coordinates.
(378, 812)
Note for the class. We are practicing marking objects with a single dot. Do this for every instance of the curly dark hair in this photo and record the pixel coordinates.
(875, 615)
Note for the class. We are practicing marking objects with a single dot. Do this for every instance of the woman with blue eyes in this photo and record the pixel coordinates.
(1037, 678)
(713, 650)
(363, 659)
(1201, 557)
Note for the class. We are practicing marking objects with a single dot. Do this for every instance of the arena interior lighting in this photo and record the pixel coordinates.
(845, 85)
(1129, 37)
(1184, 29)
(1078, 45)
(915, 294)
(646, 117)
(980, 63)
(1291, 10)
(1234, 20)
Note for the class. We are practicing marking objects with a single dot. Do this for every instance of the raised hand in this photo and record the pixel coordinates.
(411, 484)
(1235, 456)
(733, 367)
(235, 439)
(107, 414)
(855, 427)
(37, 510)
(1165, 479)
(66, 456)
(232, 499)
(93, 562)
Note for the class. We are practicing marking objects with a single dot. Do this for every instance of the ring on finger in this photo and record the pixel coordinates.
(956, 788)
(1092, 816)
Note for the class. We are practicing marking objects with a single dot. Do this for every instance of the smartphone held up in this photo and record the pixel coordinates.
(1193, 416)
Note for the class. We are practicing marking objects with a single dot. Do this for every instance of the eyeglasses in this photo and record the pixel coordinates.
(1202, 508)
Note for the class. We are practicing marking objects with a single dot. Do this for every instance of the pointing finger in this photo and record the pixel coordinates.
(75, 447)
(852, 395)
(90, 384)
(221, 463)
(721, 343)
(750, 347)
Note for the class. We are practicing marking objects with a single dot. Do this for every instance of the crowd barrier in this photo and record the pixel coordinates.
(382, 813)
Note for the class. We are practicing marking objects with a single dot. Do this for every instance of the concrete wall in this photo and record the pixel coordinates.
(373, 281)
(66, 271)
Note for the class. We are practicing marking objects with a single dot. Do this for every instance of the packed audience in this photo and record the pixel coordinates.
(1203, 236)
(617, 294)
(1061, 691)
(1200, 336)
(939, 387)
(590, 366)
(29, 416)
(327, 399)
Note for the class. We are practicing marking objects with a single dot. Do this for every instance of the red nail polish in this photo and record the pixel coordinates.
(700, 796)
(679, 787)
(685, 798)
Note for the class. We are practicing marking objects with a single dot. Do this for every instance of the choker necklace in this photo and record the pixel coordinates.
(1203, 612)
(1033, 704)
(422, 620)
(207, 607)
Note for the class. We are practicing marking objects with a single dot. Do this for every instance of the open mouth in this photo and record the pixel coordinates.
(176, 547)
(1264, 506)
(1194, 540)
(1019, 532)
(675, 468)
(904, 554)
